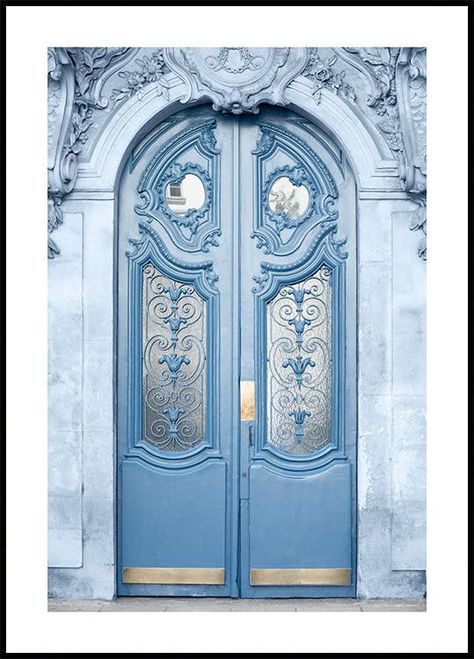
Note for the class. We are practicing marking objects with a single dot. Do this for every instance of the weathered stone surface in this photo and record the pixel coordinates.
(98, 385)
(227, 604)
(98, 270)
(391, 297)
(65, 525)
(408, 406)
(374, 450)
(65, 379)
(375, 329)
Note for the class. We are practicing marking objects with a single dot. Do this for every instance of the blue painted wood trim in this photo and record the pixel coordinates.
(326, 251)
(150, 249)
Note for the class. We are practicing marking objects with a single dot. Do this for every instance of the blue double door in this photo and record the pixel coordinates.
(236, 359)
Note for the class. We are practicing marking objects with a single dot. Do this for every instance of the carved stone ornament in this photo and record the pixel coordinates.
(237, 80)
(75, 80)
(397, 100)
(411, 91)
(387, 84)
(62, 161)
(322, 74)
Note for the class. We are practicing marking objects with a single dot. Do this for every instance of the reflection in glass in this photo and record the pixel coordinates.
(188, 193)
(299, 354)
(174, 358)
(286, 197)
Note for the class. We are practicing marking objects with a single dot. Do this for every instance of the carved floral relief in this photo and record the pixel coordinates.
(83, 82)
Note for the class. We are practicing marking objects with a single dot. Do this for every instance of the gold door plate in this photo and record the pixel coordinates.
(247, 400)
(174, 575)
(338, 576)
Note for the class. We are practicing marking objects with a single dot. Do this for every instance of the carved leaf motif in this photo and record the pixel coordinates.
(375, 56)
(323, 76)
(90, 65)
(162, 88)
(88, 58)
(87, 66)
(386, 125)
(75, 76)
(418, 218)
(55, 68)
(151, 69)
(381, 69)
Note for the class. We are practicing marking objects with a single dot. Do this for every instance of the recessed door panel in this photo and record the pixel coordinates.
(236, 360)
(297, 290)
(281, 504)
(178, 385)
(173, 518)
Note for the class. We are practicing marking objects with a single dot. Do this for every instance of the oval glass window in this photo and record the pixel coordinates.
(286, 197)
(188, 194)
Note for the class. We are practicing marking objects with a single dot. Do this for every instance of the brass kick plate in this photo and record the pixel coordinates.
(247, 400)
(338, 576)
(174, 575)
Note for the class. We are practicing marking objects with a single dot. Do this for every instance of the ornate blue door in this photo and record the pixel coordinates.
(236, 360)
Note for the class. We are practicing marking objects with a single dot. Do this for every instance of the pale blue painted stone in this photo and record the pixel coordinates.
(391, 380)
(375, 244)
(374, 453)
(98, 385)
(96, 577)
(65, 530)
(408, 407)
(65, 325)
(375, 329)
(98, 270)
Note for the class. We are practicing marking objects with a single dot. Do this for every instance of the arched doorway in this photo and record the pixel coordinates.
(236, 260)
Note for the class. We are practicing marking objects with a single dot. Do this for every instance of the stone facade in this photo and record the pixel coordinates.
(372, 102)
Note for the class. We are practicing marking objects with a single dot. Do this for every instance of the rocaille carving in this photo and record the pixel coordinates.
(75, 80)
(398, 103)
(238, 80)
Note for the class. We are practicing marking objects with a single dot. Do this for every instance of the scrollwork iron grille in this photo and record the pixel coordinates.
(174, 357)
(299, 374)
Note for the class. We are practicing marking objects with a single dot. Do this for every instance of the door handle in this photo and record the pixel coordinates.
(250, 434)
(247, 400)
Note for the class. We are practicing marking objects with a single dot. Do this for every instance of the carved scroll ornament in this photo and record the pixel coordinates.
(397, 102)
(75, 80)
(237, 80)
(411, 86)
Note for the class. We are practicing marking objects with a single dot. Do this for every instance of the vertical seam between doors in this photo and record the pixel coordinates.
(236, 466)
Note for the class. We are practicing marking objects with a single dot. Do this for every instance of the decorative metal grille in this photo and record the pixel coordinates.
(174, 356)
(299, 375)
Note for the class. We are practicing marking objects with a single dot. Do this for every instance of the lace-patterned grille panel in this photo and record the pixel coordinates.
(174, 356)
(299, 375)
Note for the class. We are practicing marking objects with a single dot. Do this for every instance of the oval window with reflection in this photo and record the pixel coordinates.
(286, 197)
(188, 194)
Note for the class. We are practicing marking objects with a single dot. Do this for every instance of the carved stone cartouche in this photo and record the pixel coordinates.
(237, 80)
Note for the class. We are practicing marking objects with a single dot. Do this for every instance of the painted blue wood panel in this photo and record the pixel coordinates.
(179, 508)
(300, 521)
(297, 510)
(237, 502)
(173, 519)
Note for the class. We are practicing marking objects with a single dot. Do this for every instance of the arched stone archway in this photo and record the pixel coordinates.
(82, 288)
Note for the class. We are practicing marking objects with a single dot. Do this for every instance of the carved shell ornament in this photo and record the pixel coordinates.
(238, 79)
(235, 60)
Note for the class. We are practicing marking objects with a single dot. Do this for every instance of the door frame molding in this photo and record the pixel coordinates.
(379, 195)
